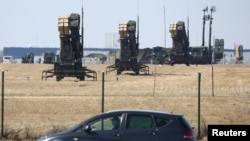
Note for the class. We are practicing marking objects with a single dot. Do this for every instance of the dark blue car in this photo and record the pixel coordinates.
(129, 125)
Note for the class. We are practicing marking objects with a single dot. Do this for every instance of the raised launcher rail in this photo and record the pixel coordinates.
(59, 75)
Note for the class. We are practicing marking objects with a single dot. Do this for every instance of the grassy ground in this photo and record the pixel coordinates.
(35, 107)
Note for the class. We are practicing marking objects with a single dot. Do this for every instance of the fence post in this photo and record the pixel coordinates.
(199, 80)
(102, 91)
(2, 127)
(212, 81)
(154, 83)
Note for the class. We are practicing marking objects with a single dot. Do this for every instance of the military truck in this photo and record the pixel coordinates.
(199, 55)
(49, 57)
(28, 58)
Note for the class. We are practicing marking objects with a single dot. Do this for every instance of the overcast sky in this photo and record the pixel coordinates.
(33, 23)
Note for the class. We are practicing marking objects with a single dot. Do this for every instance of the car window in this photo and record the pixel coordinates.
(160, 122)
(139, 122)
(106, 123)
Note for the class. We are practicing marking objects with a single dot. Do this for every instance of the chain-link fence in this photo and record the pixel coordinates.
(34, 107)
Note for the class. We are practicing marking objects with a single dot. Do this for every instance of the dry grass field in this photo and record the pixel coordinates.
(34, 107)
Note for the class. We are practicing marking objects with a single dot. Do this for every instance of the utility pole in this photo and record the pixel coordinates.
(82, 35)
(188, 30)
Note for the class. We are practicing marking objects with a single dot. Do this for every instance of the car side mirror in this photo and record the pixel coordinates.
(87, 128)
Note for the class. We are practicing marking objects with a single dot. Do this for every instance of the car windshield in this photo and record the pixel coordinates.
(77, 128)
(6, 57)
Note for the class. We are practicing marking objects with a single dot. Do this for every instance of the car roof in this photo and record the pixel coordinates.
(142, 111)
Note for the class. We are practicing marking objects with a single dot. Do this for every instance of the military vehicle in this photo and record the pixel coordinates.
(28, 58)
(179, 53)
(154, 55)
(218, 50)
(203, 55)
(160, 55)
(69, 61)
(129, 49)
(199, 55)
(238, 53)
(49, 57)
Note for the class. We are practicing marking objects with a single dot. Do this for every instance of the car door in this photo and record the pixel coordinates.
(166, 130)
(102, 129)
(138, 127)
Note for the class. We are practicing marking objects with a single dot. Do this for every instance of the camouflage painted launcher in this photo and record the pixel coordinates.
(71, 49)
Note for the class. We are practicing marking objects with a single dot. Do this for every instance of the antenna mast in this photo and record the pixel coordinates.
(82, 33)
(138, 24)
(188, 29)
(164, 26)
